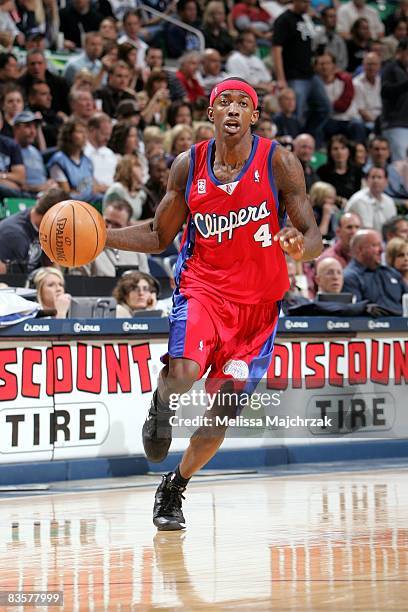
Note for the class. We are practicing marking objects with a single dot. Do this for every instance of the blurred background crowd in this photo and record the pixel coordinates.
(97, 98)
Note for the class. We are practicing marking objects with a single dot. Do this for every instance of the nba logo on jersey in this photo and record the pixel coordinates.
(256, 176)
(202, 186)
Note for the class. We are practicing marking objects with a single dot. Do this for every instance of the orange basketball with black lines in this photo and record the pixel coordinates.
(72, 233)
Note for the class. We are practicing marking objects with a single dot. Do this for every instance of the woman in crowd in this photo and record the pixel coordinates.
(125, 140)
(50, 286)
(323, 201)
(215, 29)
(128, 54)
(155, 112)
(359, 43)
(178, 139)
(135, 291)
(12, 104)
(108, 29)
(359, 155)
(180, 112)
(128, 185)
(339, 170)
(70, 167)
(397, 257)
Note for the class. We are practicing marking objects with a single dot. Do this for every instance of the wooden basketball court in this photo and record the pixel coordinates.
(308, 541)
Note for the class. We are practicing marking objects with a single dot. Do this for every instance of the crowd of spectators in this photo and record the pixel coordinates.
(98, 97)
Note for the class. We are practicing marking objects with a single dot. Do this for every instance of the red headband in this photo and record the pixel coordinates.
(234, 84)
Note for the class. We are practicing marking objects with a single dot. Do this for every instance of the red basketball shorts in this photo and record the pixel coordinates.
(234, 340)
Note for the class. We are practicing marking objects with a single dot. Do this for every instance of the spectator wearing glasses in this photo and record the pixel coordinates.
(135, 291)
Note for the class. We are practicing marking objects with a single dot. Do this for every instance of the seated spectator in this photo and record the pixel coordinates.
(154, 61)
(266, 129)
(36, 70)
(155, 111)
(339, 170)
(128, 185)
(77, 17)
(245, 62)
(187, 75)
(178, 139)
(82, 105)
(178, 40)
(371, 204)
(103, 159)
(128, 53)
(8, 24)
(12, 171)
(367, 90)
(286, 120)
(40, 101)
(215, 28)
(211, 72)
(396, 227)
(397, 257)
(84, 81)
(19, 234)
(358, 44)
(367, 279)
(248, 15)
(125, 141)
(129, 111)
(304, 148)
(12, 103)
(353, 10)
(323, 201)
(394, 94)
(108, 30)
(329, 276)
(180, 112)
(117, 214)
(70, 167)
(359, 155)
(156, 186)
(25, 128)
(89, 58)
(390, 43)
(400, 12)
(204, 131)
(348, 225)
(50, 285)
(117, 88)
(135, 291)
(328, 41)
(380, 156)
(294, 295)
(132, 24)
(153, 139)
(344, 118)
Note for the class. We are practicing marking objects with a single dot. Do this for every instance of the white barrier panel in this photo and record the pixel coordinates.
(87, 399)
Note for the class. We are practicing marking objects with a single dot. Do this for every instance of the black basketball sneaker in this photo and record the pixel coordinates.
(156, 432)
(167, 512)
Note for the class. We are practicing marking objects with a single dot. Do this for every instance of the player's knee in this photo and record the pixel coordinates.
(181, 376)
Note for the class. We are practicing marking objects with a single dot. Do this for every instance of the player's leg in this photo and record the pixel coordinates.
(192, 339)
(176, 377)
(257, 330)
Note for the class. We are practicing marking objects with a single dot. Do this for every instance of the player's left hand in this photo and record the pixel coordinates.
(291, 241)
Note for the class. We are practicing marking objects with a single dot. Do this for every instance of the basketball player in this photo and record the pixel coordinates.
(233, 193)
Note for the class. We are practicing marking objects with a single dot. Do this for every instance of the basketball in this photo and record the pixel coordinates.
(72, 233)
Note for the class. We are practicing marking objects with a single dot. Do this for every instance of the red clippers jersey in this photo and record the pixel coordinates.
(228, 246)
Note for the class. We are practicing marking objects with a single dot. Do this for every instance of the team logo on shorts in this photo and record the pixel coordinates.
(202, 186)
(236, 368)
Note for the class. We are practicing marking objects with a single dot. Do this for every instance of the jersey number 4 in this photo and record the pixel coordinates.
(263, 235)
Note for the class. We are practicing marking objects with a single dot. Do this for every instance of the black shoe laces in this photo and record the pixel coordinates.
(175, 495)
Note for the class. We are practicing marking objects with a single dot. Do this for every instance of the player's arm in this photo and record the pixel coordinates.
(303, 241)
(155, 236)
